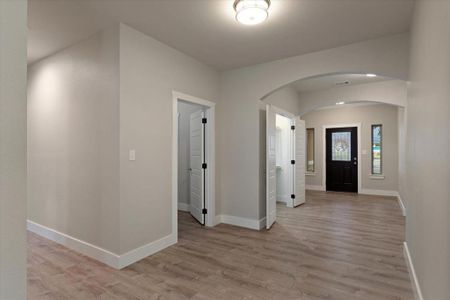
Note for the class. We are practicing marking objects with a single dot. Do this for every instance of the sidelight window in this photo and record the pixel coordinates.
(310, 150)
(376, 149)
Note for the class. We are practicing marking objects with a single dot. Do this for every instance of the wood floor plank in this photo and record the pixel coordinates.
(336, 246)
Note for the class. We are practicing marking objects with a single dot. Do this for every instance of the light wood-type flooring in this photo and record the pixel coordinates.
(336, 246)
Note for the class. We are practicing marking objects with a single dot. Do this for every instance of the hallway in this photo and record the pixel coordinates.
(336, 246)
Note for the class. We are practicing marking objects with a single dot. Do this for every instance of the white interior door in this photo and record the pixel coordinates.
(196, 161)
(300, 161)
(271, 192)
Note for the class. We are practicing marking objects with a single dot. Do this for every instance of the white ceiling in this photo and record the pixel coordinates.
(207, 30)
(331, 81)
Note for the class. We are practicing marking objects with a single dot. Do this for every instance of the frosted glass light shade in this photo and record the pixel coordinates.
(251, 12)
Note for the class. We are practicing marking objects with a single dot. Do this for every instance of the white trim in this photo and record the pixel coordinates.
(107, 257)
(142, 252)
(210, 154)
(184, 206)
(401, 204)
(282, 112)
(315, 187)
(379, 192)
(310, 174)
(243, 222)
(412, 273)
(291, 175)
(324, 142)
(97, 253)
(376, 177)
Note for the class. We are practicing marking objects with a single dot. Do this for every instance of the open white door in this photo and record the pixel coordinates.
(271, 185)
(196, 160)
(299, 138)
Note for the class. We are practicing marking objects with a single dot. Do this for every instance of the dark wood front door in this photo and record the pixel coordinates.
(342, 159)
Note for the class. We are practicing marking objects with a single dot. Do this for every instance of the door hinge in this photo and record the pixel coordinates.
(204, 165)
(293, 162)
(292, 196)
(204, 211)
(204, 120)
(292, 127)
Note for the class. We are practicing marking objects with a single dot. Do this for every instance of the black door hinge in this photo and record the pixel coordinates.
(204, 211)
(293, 127)
(292, 196)
(293, 162)
(204, 120)
(204, 165)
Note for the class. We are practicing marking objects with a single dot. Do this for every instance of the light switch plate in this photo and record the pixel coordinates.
(132, 155)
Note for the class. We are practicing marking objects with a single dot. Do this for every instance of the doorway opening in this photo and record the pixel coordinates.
(285, 161)
(193, 158)
(342, 158)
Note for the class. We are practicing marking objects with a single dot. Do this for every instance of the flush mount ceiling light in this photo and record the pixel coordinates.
(340, 103)
(371, 75)
(251, 12)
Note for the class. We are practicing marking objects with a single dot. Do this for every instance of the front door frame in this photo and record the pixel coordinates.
(210, 218)
(324, 147)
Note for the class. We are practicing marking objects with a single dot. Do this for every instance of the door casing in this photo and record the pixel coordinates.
(210, 220)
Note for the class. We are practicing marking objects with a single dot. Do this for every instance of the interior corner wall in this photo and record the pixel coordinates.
(366, 115)
(428, 149)
(73, 141)
(149, 72)
(13, 160)
(240, 116)
(402, 132)
(285, 98)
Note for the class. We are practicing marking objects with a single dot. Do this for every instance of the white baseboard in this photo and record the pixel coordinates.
(412, 273)
(142, 252)
(184, 207)
(243, 222)
(402, 205)
(378, 192)
(107, 257)
(315, 187)
(97, 253)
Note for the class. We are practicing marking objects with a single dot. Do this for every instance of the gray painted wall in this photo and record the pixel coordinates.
(73, 141)
(149, 71)
(243, 193)
(285, 98)
(367, 115)
(13, 159)
(428, 149)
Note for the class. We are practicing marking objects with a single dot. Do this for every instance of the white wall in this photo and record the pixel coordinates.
(283, 158)
(367, 115)
(389, 91)
(243, 193)
(402, 132)
(285, 98)
(149, 72)
(428, 149)
(13, 70)
(88, 105)
(185, 110)
(73, 141)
